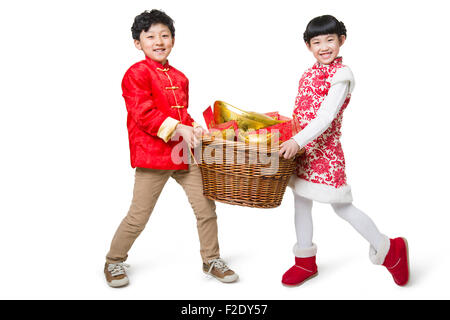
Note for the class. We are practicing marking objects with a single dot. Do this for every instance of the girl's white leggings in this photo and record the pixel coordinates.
(347, 211)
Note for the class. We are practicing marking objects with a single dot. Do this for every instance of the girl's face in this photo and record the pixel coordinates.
(325, 48)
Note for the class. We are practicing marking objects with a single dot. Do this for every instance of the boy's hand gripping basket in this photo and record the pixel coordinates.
(242, 174)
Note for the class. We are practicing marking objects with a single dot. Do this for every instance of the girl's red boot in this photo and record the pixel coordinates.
(397, 261)
(304, 268)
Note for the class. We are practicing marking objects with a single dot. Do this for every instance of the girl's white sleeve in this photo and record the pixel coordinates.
(341, 86)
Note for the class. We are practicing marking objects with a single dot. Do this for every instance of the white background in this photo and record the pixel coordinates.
(66, 180)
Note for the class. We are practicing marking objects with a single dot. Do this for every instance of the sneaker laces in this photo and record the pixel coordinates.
(218, 264)
(117, 269)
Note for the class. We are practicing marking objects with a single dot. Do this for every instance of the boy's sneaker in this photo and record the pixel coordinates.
(219, 270)
(116, 275)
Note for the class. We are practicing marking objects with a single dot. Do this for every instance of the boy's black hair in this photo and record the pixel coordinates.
(144, 21)
(324, 25)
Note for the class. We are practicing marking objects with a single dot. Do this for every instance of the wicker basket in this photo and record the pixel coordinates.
(245, 176)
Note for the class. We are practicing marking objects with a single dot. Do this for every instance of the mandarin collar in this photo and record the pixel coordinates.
(156, 64)
(335, 62)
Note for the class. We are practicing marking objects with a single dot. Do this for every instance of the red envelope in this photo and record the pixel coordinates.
(208, 115)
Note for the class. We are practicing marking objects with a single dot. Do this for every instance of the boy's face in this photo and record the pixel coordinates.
(325, 48)
(156, 42)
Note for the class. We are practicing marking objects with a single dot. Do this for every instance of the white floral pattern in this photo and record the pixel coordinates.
(323, 161)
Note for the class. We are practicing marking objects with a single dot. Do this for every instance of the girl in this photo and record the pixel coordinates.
(324, 93)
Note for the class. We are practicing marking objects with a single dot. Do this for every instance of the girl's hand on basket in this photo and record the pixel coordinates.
(289, 149)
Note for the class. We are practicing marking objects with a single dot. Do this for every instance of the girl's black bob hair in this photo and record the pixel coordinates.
(324, 25)
(144, 21)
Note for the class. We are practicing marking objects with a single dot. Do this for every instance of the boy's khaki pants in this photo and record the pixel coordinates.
(147, 188)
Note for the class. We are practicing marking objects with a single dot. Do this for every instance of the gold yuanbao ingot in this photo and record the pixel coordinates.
(258, 138)
(226, 134)
(246, 120)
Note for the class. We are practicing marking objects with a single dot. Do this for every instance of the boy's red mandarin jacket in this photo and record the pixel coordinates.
(156, 98)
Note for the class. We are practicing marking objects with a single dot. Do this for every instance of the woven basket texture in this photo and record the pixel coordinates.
(246, 175)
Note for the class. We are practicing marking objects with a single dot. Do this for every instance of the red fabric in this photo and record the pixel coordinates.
(225, 125)
(396, 261)
(149, 103)
(304, 269)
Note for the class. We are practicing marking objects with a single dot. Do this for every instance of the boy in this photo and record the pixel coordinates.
(156, 97)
